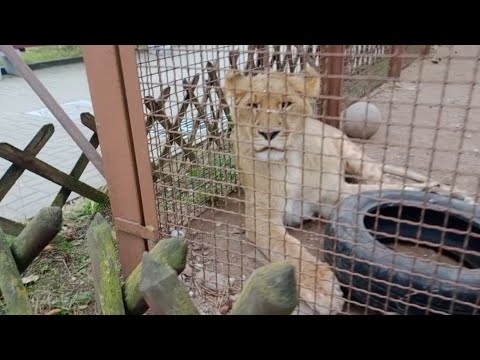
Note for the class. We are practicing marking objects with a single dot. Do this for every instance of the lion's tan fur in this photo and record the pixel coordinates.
(303, 177)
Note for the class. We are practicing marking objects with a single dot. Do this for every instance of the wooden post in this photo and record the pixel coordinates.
(11, 285)
(334, 87)
(270, 290)
(38, 233)
(105, 267)
(163, 291)
(396, 60)
(123, 161)
(171, 251)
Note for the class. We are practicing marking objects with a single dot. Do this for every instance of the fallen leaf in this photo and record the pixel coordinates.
(48, 248)
(54, 312)
(82, 307)
(29, 279)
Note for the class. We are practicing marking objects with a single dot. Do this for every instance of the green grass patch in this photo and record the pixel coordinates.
(50, 53)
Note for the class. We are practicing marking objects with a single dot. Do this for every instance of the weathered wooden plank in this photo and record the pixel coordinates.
(76, 173)
(10, 227)
(27, 161)
(88, 120)
(34, 146)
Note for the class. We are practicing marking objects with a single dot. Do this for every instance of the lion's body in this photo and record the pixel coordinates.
(292, 167)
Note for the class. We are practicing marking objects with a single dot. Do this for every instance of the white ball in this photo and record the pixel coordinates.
(361, 120)
(174, 233)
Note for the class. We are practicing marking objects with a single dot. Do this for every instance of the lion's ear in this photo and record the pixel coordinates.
(307, 83)
(235, 83)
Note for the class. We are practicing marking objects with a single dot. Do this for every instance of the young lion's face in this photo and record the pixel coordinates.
(270, 109)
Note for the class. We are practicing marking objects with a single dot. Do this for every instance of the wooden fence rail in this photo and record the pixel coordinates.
(26, 160)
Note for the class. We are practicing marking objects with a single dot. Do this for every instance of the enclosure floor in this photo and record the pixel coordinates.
(221, 259)
(423, 135)
(215, 274)
(22, 114)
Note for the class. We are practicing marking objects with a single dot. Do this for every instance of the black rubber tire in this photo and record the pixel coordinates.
(376, 276)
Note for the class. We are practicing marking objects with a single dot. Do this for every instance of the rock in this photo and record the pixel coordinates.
(187, 271)
(214, 282)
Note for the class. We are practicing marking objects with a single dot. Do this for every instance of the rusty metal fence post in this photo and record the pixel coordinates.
(334, 73)
(114, 88)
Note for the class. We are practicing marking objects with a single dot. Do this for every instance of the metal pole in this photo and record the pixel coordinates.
(53, 106)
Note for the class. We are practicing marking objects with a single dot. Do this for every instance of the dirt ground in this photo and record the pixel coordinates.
(417, 132)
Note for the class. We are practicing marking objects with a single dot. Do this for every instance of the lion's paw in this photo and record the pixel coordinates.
(325, 297)
(322, 303)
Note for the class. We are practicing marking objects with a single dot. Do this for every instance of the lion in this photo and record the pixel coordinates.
(292, 167)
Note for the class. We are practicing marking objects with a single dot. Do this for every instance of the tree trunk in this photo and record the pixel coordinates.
(14, 293)
(105, 267)
(171, 251)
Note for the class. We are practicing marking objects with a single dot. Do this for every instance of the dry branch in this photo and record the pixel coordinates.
(163, 291)
(171, 251)
(11, 286)
(270, 290)
(36, 235)
(105, 267)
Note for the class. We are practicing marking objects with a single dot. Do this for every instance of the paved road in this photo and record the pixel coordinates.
(22, 114)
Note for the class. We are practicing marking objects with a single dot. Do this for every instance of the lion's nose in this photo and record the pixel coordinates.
(269, 135)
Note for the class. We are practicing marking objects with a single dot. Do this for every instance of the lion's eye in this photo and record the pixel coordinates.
(286, 104)
(253, 105)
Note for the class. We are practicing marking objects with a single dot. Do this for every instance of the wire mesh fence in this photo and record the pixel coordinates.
(378, 215)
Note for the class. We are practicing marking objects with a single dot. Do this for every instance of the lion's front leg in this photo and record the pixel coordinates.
(319, 287)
